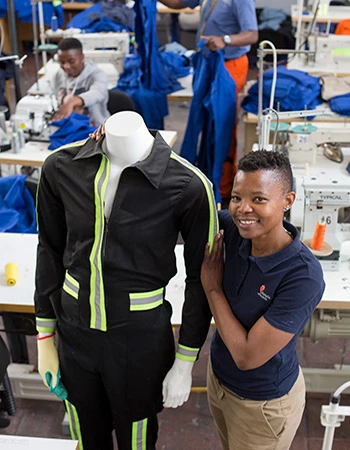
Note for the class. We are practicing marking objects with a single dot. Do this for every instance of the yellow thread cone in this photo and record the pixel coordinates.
(11, 273)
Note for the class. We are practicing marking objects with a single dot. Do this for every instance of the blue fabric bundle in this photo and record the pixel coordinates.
(340, 104)
(24, 11)
(271, 18)
(175, 65)
(73, 128)
(88, 20)
(212, 113)
(145, 77)
(295, 90)
(17, 208)
(103, 24)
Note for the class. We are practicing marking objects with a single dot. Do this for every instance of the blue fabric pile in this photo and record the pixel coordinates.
(271, 18)
(295, 90)
(24, 11)
(340, 104)
(73, 128)
(212, 113)
(175, 65)
(17, 208)
(104, 16)
(145, 78)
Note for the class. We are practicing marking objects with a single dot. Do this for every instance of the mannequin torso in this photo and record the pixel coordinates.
(127, 141)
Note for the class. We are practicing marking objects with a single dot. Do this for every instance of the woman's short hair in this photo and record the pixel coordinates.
(273, 161)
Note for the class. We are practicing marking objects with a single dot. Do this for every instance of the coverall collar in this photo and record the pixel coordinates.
(153, 167)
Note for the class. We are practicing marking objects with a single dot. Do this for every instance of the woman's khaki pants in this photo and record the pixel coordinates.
(255, 425)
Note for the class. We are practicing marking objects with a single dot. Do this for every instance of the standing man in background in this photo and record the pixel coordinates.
(230, 25)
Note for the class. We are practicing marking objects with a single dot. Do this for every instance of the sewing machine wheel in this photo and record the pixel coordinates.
(333, 152)
(326, 250)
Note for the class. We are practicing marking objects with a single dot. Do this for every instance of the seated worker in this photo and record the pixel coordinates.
(80, 86)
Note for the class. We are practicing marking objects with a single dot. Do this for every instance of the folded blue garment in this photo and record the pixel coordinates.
(340, 104)
(175, 65)
(295, 90)
(85, 19)
(104, 24)
(73, 128)
(271, 18)
(17, 208)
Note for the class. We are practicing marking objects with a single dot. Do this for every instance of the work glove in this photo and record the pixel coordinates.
(48, 365)
(177, 384)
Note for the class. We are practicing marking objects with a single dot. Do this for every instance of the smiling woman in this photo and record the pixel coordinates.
(261, 297)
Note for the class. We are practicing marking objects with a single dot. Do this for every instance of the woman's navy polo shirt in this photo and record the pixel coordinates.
(285, 288)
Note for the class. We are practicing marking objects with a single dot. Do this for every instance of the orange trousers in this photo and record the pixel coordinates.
(238, 69)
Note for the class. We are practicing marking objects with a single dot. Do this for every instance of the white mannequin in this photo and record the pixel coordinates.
(127, 141)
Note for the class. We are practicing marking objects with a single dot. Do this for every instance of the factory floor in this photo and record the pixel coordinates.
(191, 426)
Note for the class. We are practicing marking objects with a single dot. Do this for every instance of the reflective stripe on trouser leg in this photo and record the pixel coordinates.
(74, 425)
(139, 435)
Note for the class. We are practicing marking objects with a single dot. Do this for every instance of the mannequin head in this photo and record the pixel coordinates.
(127, 138)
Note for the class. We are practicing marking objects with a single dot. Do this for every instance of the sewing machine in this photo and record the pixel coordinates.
(331, 52)
(328, 53)
(104, 48)
(302, 145)
(323, 192)
(32, 115)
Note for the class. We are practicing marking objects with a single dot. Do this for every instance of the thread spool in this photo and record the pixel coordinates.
(11, 274)
(317, 241)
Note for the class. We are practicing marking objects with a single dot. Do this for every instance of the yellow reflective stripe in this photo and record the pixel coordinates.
(45, 324)
(71, 286)
(147, 294)
(213, 217)
(98, 318)
(70, 291)
(146, 307)
(74, 424)
(139, 435)
(144, 301)
(187, 353)
(72, 144)
(72, 280)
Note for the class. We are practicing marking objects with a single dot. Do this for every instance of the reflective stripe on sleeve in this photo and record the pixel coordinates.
(143, 301)
(45, 325)
(71, 286)
(98, 318)
(139, 435)
(187, 353)
(74, 424)
(213, 217)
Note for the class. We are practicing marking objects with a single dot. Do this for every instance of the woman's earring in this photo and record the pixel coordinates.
(286, 209)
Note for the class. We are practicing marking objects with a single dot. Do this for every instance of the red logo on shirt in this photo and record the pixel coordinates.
(262, 288)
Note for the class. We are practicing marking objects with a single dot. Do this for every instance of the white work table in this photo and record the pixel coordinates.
(21, 249)
(35, 153)
(8, 442)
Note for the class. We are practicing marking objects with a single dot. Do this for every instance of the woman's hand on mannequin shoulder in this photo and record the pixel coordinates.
(213, 265)
(98, 133)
